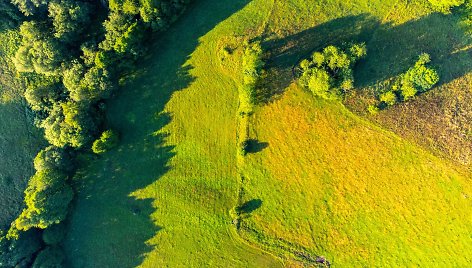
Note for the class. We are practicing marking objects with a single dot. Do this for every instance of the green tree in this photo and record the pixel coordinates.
(69, 18)
(47, 199)
(38, 52)
(53, 158)
(19, 252)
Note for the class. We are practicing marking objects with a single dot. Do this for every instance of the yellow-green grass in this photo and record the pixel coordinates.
(335, 185)
(19, 140)
(163, 197)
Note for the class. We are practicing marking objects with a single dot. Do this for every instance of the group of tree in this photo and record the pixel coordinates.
(253, 76)
(329, 73)
(418, 79)
(71, 56)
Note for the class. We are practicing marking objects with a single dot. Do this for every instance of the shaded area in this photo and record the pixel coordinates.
(255, 146)
(287, 52)
(249, 206)
(108, 227)
(19, 143)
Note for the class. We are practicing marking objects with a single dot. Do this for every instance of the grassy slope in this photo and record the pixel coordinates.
(177, 156)
(19, 140)
(346, 189)
(332, 184)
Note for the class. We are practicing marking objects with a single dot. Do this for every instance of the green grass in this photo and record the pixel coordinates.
(320, 181)
(19, 140)
(163, 197)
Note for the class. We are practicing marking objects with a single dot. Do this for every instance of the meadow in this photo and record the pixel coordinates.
(19, 139)
(321, 180)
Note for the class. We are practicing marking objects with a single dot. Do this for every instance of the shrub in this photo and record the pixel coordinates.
(389, 98)
(373, 109)
(107, 141)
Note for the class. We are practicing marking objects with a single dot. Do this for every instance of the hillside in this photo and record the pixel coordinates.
(198, 179)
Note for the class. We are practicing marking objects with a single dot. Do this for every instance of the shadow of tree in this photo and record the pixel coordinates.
(255, 146)
(392, 49)
(108, 227)
(286, 53)
(249, 206)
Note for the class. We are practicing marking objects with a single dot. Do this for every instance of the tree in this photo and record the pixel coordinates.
(9, 15)
(69, 18)
(329, 73)
(47, 199)
(54, 234)
(69, 124)
(87, 85)
(19, 252)
(30, 7)
(445, 5)
(53, 158)
(389, 98)
(38, 52)
(107, 141)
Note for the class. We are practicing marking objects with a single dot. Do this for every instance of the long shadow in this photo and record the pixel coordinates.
(287, 52)
(108, 227)
(392, 49)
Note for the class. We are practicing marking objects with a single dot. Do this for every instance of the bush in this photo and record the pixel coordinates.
(253, 74)
(389, 98)
(107, 141)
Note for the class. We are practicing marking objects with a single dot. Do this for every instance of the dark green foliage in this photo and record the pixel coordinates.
(19, 252)
(50, 257)
(54, 234)
(9, 15)
(69, 18)
(107, 141)
(30, 7)
(328, 73)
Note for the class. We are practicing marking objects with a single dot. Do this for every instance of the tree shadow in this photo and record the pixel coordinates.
(109, 227)
(287, 52)
(391, 49)
(254, 146)
(249, 206)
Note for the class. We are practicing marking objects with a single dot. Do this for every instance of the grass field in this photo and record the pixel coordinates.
(19, 140)
(322, 180)
(163, 197)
